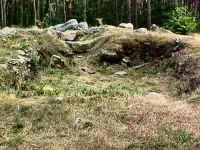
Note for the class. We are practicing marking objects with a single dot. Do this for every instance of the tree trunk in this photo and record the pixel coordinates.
(85, 9)
(35, 12)
(135, 13)
(116, 12)
(148, 14)
(129, 11)
(65, 12)
(2, 14)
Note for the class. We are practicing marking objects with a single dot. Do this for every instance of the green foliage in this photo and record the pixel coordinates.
(78, 11)
(181, 21)
(46, 21)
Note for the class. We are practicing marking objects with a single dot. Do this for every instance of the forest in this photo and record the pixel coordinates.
(99, 74)
(51, 12)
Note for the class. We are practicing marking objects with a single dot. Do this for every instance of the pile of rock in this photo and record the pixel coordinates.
(69, 31)
(22, 67)
(7, 32)
(71, 25)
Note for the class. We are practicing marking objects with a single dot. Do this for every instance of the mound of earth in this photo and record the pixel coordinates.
(104, 45)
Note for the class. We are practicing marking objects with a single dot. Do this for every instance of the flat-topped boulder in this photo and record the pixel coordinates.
(126, 25)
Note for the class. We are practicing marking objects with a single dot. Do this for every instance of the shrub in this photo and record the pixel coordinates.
(181, 21)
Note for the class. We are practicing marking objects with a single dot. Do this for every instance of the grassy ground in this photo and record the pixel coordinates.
(68, 111)
(72, 109)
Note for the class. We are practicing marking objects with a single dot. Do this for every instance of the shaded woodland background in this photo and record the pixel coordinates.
(49, 12)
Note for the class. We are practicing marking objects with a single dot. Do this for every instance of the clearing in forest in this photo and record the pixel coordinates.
(112, 89)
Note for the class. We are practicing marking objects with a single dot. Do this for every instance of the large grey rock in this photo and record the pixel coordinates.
(141, 30)
(81, 46)
(94, 30)
(6, 32)
(126, 25)
(83, 26)
(154, 27)
(69, 25)
(69, 35)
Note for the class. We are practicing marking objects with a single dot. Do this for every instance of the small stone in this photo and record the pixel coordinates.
(72, 24)
(127, 61)
(59, 98)
(69, 36)
(80, 56)
(57, 61)
(154, 27)
(21, 52)
(109, 56)
(82, 123)
(88, 70)
(121, 73)
(126, 25)
(4, 66)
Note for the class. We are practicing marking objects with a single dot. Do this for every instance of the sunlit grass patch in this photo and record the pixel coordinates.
(55, 82)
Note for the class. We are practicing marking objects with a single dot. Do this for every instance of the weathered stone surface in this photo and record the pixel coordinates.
(6, 32)
(121, 73)
(94, 30)
(141, 30)
(3, 66)
(88, 70)
(69, 25)
(81, 46)
(69, 35)
(57, 62)
(22, 66)
(83, 26)
(154, 27)
(109, 56)
(21, 52)
(127, 61)
(126, 25)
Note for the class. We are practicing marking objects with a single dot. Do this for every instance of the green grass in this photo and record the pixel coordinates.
(60, 83)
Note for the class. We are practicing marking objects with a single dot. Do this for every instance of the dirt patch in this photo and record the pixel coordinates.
(156, 99)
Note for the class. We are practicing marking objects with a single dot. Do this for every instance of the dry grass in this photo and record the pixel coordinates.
(106, 123)
(120, 119)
